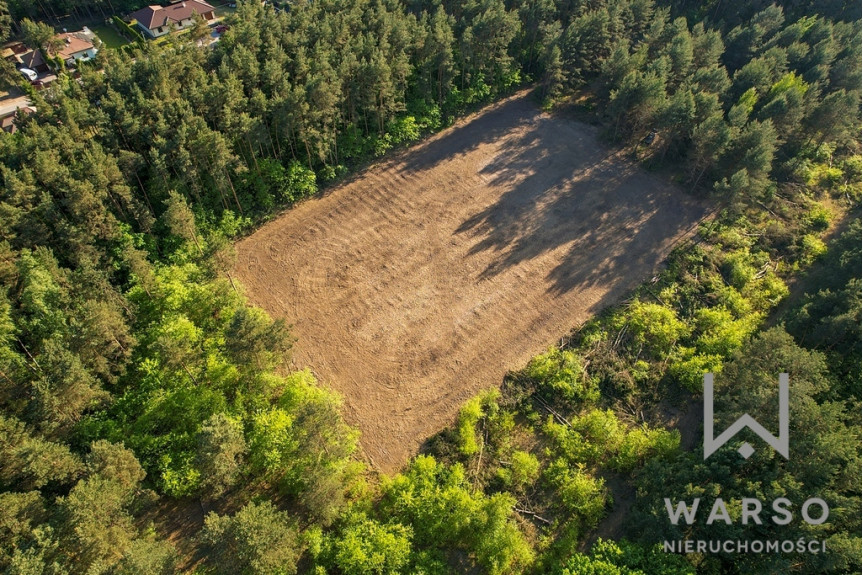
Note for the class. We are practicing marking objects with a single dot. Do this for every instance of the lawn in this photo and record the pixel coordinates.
(109, 36)
(224, 11)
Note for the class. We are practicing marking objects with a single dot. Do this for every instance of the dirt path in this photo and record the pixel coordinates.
(428, 276)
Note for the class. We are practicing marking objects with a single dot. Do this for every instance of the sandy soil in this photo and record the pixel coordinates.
(428, 276)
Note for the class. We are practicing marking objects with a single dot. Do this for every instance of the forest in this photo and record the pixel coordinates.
(135, 380)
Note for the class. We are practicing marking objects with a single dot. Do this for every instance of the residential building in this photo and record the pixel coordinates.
(79, 45)
(157, 21)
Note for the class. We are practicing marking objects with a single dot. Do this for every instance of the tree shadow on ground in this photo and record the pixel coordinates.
(567, 191)
(491, 125)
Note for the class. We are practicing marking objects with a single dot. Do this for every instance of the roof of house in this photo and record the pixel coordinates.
(154, 16)
(9, 105)
(74, 42)
(14, 48)
(32, 59)
(7, 123)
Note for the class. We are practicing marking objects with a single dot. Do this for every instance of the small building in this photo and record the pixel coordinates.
(157, 21)
(13, 49)
(9, 108)
(23, 57)
(79, 45)
(33, 60)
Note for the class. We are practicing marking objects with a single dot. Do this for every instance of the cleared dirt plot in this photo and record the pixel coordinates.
(428, 276)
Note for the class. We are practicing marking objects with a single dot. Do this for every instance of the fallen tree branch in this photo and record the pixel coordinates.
(763, 271)
(532, 514)
(560, 419)
(766, 208)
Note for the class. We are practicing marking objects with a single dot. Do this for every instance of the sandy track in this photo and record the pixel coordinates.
(428, 276)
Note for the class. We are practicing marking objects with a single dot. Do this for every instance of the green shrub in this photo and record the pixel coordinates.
(522, 471)
(272, 444)
(819, 218)
(719, 333)
(179, 477)
(598, 438)
(654, 328)
(811, 248)
(737, 269)
(470, 415)
(689, 368)
(365, 546)
(642, 444)
(382, 144)
(429, 117)
(287, 183)
(582, 496)
(130, 31)
(558, 374)
(446, 511)
(404, 129)
(766, 291)
(624, 558)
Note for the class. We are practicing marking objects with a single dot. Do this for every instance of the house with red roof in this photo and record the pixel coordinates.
(79, 45)
(157, 21)
(73, 46)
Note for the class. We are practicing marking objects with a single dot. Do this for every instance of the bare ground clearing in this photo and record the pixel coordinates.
(429, 275)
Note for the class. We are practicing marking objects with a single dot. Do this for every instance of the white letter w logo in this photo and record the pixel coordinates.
(711, 444)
